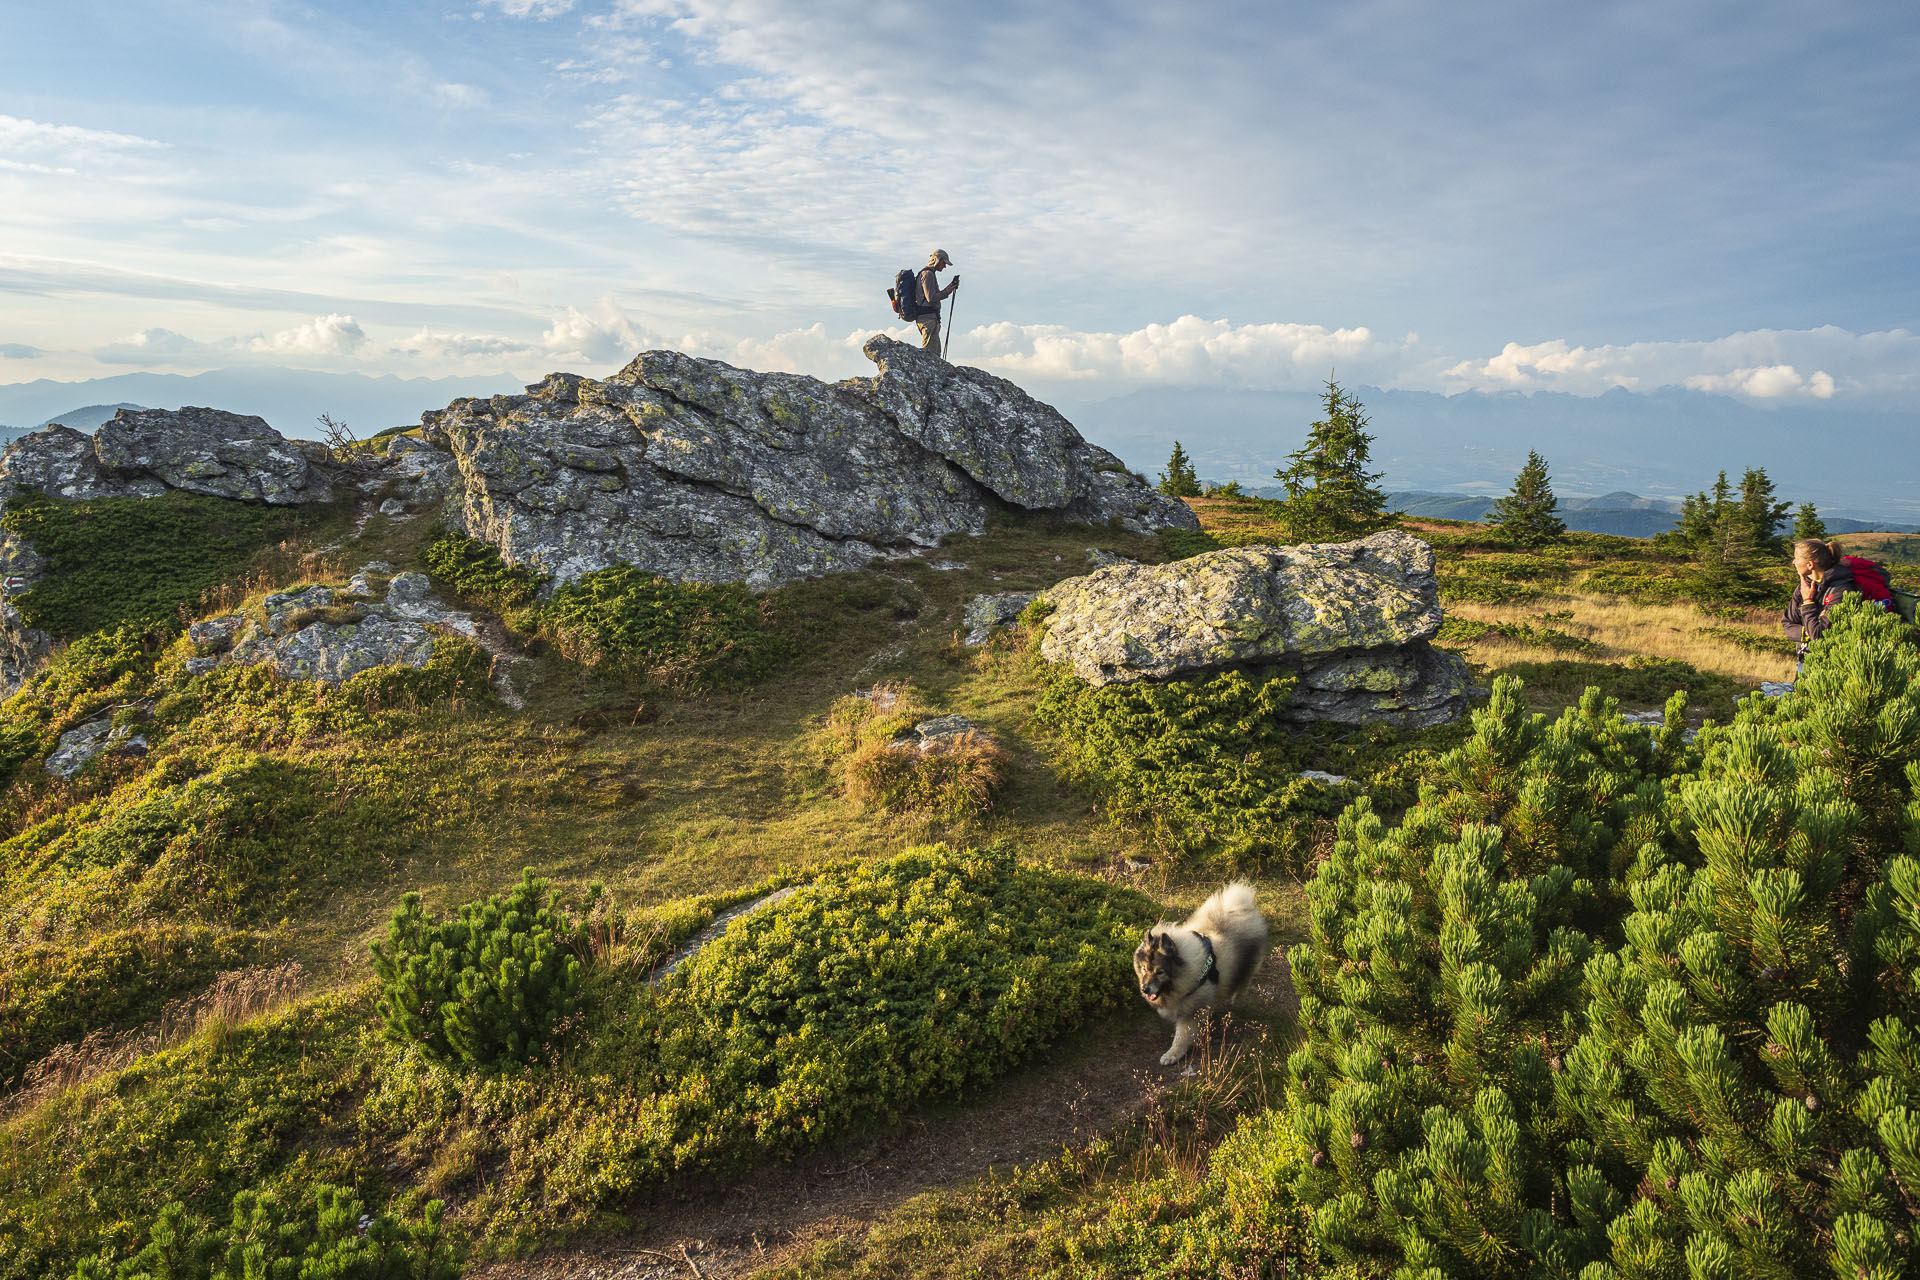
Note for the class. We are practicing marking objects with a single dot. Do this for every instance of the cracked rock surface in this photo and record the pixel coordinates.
(1351, 620)
(702, 472)
(141, 453)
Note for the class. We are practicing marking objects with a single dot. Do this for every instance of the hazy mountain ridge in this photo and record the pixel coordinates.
(1668, 442)
(291, 400)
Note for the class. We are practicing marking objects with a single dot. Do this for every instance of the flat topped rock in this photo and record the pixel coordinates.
(1244, 605)
(1349, 620)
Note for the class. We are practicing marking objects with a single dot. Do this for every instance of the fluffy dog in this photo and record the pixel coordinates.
(1206, 961)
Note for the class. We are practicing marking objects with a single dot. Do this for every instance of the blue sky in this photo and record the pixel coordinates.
(1434, 197)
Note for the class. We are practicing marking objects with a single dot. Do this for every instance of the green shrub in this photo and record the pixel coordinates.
(1471, 631)
(709, 636)
(718, 635)
(1482, 589)
(870, 990)
(333, 1239)
(254, 1107)
(483, 986)
(1609, 1006)
(1204, 763)
(1640, 681)
(475, 570)
(97, 671)
(1179, 544)
(137, 560)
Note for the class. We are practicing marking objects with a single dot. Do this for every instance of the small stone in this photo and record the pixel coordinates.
(216, 634)
(77, 747)
(359, 585)
(986, 614)
(1330, 779)
(393, 507)
(200, 666)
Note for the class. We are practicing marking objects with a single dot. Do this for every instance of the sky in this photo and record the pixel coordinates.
(1473, 196)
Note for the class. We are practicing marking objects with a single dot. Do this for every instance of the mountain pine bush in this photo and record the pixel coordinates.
(264, 1241)
(484, 985)
(1610, 1006)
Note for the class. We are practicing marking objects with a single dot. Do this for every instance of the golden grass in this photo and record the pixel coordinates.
(1623, 629)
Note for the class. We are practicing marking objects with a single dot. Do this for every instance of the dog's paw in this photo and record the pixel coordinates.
(1170, 1057)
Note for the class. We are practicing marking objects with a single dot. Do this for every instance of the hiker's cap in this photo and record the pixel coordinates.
(940, 256)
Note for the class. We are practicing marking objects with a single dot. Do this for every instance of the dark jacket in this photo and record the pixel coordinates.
(1811, 616)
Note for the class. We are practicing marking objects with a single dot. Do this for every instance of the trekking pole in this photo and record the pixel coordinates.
(946, 344)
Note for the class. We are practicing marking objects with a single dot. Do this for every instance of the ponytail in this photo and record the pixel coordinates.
(1821, 555)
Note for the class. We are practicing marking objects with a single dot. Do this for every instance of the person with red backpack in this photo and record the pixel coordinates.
(1825, 576)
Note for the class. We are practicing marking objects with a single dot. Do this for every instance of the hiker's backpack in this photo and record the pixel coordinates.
(905, 294)
(1871, 578)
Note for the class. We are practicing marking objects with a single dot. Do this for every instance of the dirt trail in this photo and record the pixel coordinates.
(730, 1230)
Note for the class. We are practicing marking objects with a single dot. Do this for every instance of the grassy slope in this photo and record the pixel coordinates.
(662, 794)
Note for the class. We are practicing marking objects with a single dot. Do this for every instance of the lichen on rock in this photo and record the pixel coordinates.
(1350, 619)
(701, 472)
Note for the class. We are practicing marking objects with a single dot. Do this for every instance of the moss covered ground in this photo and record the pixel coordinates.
(274, 825)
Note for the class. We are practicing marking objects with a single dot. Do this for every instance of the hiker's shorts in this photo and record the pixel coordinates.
(930, 334)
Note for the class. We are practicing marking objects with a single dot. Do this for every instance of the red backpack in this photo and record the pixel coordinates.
(1870, 577)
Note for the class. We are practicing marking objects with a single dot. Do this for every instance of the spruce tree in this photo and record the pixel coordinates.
(1760, 512)
(1529, 514)
(1331, 496)
(1179, 480)
(1807, 523)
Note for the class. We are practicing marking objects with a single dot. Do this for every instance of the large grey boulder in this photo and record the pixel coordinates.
(702, 472)
(142, 453)
(211, 451)
(1351, 620)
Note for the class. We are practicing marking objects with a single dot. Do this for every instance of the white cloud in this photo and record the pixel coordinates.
(156, 347)
(434, 344)
(1759, 364)
(34, 147)
(1773, 382)
(331, 335)
(603, 336)
(540, 9)
(1187, 351)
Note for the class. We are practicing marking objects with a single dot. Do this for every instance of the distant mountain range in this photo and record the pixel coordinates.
(291, 400)
(1626, 514)
(1855, 463)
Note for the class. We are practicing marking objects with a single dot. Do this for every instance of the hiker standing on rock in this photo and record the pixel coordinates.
(930, 296)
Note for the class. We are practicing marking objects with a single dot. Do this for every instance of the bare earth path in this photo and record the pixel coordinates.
(1089, 1087)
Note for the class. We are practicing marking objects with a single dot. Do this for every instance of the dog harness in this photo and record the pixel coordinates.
(1212, 974)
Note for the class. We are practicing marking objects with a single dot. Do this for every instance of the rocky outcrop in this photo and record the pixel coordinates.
(315, 634)
(141, 453)
(1351, 620)
(703, 472)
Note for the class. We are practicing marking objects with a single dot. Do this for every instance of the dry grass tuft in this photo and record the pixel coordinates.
(869, 740)
(236, 997)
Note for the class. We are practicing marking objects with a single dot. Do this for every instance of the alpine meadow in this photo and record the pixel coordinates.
(731, 640)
